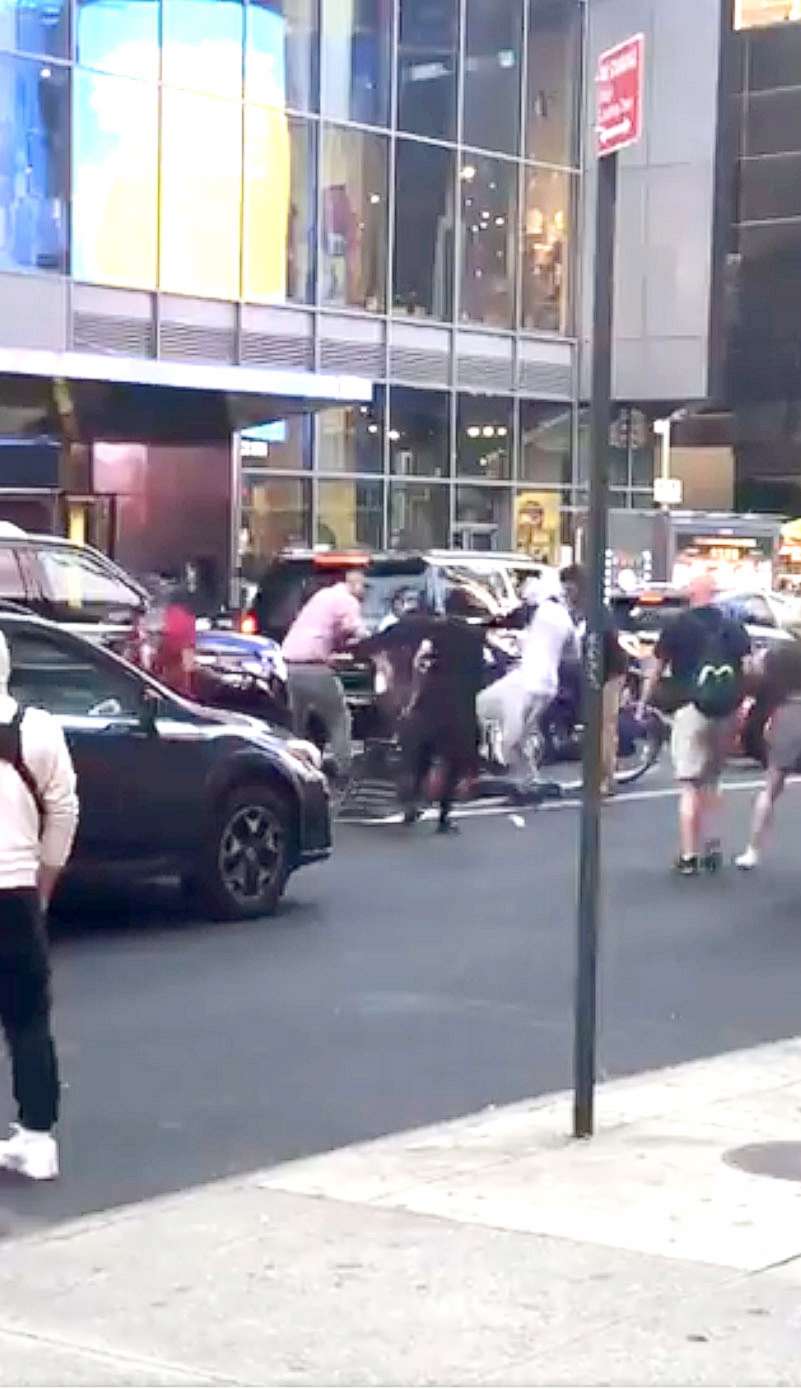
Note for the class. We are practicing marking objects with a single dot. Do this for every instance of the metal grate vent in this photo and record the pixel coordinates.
(274, 350)
(130, 337)
(192, 342)
(555, 380)
(431, 368)
(361, 358)
(485, 373)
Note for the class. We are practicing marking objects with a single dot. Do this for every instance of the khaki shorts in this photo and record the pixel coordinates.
(700, 746)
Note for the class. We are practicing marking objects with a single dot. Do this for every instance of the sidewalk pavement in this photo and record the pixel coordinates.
(490, 1250)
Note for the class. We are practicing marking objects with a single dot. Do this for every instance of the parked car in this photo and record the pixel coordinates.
(69, 584)
(169, 786)
(642, 616)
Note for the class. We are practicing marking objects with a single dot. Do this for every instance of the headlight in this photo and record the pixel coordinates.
(305, 753)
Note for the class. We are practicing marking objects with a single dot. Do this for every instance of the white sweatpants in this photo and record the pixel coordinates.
(512, 705)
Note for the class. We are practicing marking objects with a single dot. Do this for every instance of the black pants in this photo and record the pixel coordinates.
(25, 1008)
(422, 744)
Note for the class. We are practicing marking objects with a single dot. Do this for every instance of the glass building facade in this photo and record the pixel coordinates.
(408, 165)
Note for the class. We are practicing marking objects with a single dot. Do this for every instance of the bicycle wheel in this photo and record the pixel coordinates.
(640, 750)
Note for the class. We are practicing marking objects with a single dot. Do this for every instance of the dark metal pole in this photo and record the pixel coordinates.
(590, 852)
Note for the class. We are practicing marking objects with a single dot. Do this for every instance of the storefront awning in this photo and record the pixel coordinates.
(88, 397)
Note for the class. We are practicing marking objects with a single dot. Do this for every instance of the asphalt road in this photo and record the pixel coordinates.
(410, 979)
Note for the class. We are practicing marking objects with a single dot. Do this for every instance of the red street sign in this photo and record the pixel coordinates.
(619, 82)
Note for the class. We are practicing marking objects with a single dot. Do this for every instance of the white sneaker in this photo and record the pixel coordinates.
(747, 860)
(32, 1154)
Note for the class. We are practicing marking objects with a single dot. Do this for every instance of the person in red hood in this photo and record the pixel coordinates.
(174, 657)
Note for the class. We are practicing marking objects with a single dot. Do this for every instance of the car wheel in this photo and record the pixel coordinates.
(245, 868)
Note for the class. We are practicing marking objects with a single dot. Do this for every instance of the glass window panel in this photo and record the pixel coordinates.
(203, 45)
(34, 126)
(492, 74)
(35, 26)
(770, 188)
(427, 58)
(278, 444)
(119, 36)
(355, 48)
(488, 201)
(419, 432)
(350, 512)
(774, 56)
(773, 121)
(547, 250)
(419, 515)
(353, 269)
(483, 518)
(484, 435)
(546, 443)
(279, 220)
(276, 514)
(115, 180)
(749, 14)
(351, 440)
(423, 279)
(281, 65)
(554, 81)
(200, 194)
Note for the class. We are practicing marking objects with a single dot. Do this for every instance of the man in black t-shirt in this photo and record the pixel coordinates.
(701, 739)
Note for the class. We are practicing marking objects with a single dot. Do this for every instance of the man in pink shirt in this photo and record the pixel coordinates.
(329, 622)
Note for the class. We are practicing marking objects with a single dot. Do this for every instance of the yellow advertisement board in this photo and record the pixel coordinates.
(538, 527)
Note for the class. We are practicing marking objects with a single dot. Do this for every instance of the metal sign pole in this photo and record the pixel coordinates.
(590, 851)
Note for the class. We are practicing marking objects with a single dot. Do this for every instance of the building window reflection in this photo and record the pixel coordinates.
(546, 443)
(202, 41)
(492, 74)
(201, 178)
(115, 180)
(483, 518)
(354, 233)
(279, 211)
(419, 432)
(34, 124)
(35, 26)
(428, 51)
(119, 36)
(276, 515)
(488, 203)
(553, 98)
(547, 235)
(419, 515)
(484, 437)
(424, 198)
(281, 59)
(355, 59)
(351, 439)
(350, 512)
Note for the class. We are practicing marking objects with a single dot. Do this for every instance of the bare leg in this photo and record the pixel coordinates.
(711, 803)
(764, 807)
(689, 821)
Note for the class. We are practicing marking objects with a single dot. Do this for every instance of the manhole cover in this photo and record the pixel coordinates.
(782, 1160)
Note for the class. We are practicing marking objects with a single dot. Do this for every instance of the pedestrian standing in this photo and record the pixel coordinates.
(327, 623)
(781, 694)
(38, 819)
(705, 653)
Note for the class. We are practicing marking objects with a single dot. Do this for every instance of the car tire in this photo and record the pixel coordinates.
(246, 863)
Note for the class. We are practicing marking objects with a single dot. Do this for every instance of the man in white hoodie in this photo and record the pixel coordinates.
(38, 819)
(521, 697)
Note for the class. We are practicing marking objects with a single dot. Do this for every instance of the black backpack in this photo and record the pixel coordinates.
(11, 752)
(716, 685)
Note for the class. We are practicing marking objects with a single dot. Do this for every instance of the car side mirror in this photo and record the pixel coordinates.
(149, 710)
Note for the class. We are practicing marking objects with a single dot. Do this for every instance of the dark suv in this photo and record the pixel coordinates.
(167, 786)
(70, 584)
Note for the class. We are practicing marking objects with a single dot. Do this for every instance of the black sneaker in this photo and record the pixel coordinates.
(687, 866)
(447, 827)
